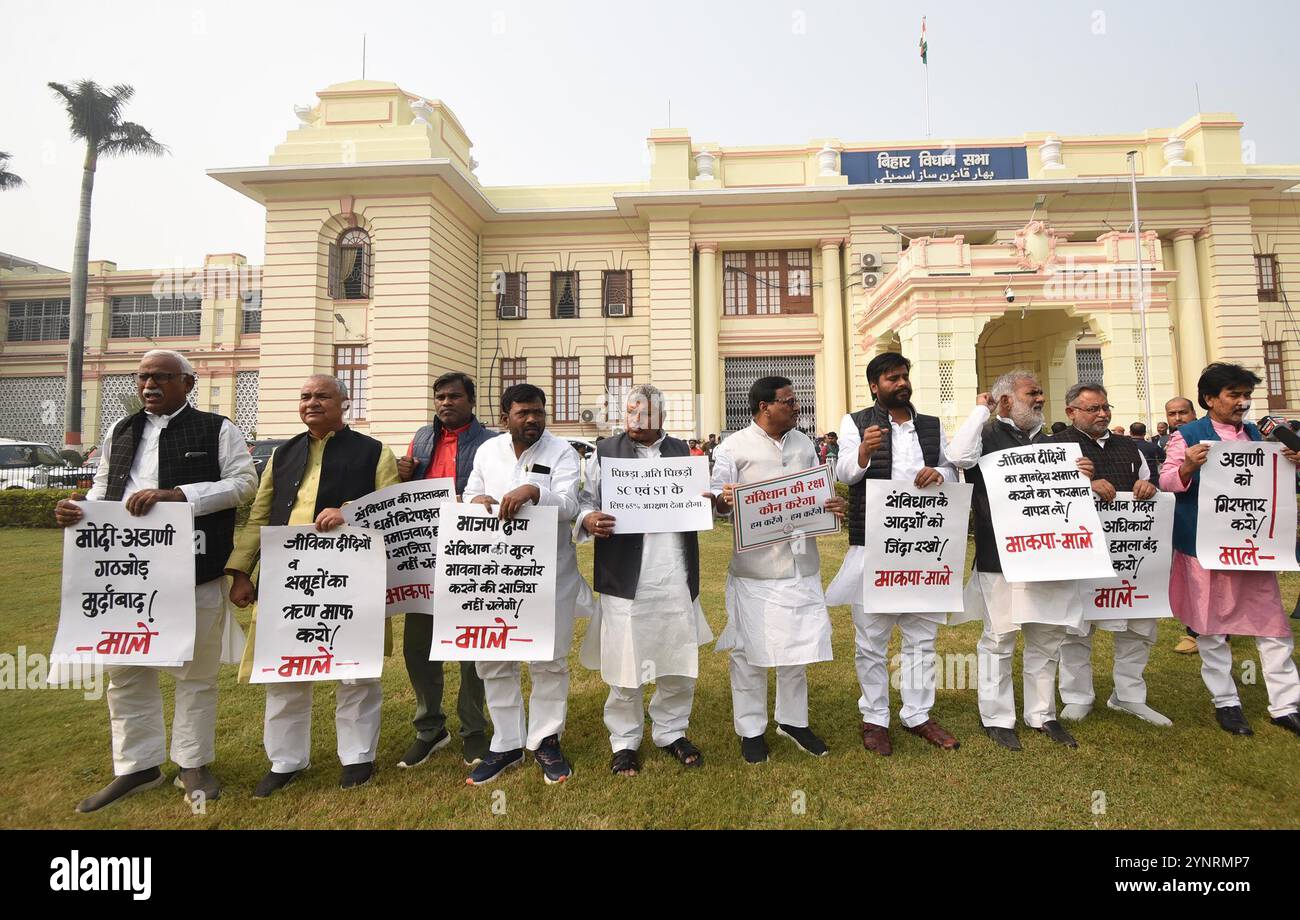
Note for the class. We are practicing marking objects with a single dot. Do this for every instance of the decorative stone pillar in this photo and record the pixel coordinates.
(1188, 322)
(1174, 150)
(704, 166)
(826, 160)
(1050, 154)
(833, 333)
(707, 347)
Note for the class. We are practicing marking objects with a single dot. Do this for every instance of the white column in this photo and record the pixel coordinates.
(707, 347)
(833, 334)
(1187, 316)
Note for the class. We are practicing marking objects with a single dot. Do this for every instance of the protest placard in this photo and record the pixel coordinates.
(406, 514)
(1140, 536)
(320, 611)
(128, 586)
(495, 585)
(1246, 508)
(656, 496)
(1043, 514)
(784, 508)
(915, 546)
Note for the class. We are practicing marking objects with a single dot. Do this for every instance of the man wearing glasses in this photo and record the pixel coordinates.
(1120, 467)
(172, 452)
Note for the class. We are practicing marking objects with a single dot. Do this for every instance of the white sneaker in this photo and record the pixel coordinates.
(1075, 712)
(1141, 710)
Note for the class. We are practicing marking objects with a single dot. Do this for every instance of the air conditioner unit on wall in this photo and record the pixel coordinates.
(869, 281)
(870, 262)
(508, 311)
(589, 416)
(616, 309)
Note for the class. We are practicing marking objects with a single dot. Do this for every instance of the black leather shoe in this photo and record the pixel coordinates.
(1291, 722)
(1006, 737)
(273, 782)
(356, 774)
(754, 750)
(199, 784)
(1053, 730)
(121, 787)
(421, 750)
(1231, 720)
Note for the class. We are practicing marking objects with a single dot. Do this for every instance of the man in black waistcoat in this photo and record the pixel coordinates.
(649, 622)
(171, 452)
(1011, 415)
(1121, 466)
(889, 440)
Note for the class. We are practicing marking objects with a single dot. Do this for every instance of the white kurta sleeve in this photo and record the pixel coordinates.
(846, 467)
(945, 467)
(563, 490)
(238, 482)
(474, 486)
(967, 445)
(724, 471)
(588, 498)
(99, 488)
(1144, 471)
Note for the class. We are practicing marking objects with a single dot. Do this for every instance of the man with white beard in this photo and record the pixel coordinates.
(1043, 611)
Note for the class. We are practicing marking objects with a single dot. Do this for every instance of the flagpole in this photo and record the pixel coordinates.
(1142, 297)
(926, 67)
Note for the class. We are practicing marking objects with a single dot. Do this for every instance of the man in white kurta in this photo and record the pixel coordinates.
(1042, 611)
(652, 636)
(888, 377)
(529, 464)
(776, 611)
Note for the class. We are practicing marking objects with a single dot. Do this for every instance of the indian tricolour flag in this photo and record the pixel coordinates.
(925, 46)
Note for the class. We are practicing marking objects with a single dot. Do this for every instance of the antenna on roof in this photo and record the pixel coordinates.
(670, 113)
(363, 55)
(1198, 97)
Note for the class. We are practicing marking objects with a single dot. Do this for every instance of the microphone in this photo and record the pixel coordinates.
(1280, 430)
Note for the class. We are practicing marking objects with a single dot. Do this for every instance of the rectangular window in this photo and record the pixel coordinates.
(251, 324)
(618, 381)
(146, 316)
(564, 295)
(1266, 279)
(616, 299)
(565, 372)
(352, 366)
(1274, 378)
(513, 295)
(767, 282)
(513, 371)
(1088, 366)
(38, 320)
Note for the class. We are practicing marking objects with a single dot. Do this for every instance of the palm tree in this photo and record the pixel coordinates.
(95, 116)
(8, 180)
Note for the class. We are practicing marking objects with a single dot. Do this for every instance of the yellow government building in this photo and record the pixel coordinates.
(389, 263)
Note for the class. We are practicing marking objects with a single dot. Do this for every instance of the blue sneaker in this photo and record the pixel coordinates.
(493, 765)
(555, 769)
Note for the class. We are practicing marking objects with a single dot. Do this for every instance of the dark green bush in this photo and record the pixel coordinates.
(29, 507)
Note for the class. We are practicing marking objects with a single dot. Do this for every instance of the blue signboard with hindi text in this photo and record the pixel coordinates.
(934, 164)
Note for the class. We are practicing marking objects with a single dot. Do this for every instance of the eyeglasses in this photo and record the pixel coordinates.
(791, 402)
(1093, 410)
(157, 377)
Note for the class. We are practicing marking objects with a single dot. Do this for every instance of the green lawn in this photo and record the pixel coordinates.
(56, 750)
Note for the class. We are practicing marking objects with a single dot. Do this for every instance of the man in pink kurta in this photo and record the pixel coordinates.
(1217, 604)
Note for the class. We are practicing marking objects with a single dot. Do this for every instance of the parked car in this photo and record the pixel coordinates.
(32, 465)
(261, 451)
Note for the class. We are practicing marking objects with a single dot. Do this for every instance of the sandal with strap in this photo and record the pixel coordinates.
(624, 760)
(683, 750)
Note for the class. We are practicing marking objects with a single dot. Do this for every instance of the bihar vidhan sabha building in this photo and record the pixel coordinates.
(388, 263)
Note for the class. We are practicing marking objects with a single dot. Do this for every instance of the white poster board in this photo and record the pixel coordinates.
(406, 515)
(656, 496)
(128, 586)
(1043, 514)
(495, 584)
(1140, 535)
(320, 609)
(784, 509)
(1246, 508)
(915, 546)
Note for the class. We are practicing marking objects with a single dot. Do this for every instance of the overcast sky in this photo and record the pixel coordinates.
(561, 92)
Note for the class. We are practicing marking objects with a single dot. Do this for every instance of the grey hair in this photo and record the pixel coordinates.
(1073, 392)
(652, 395)
(184, 362)
(339, 384)
(1007, 383)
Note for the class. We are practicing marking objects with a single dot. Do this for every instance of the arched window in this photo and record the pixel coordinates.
(349, 277)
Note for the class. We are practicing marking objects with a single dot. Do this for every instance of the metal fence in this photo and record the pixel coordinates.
(47, 477)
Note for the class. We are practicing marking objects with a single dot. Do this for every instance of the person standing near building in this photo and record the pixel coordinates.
(1137, 432)
(830, 449)
(529, 465)
(1220, 603)
(648, 623)
(776, 611)
(1178, 412)
(889, 440)
(1011, 415)
(1121, 466)
(444, 449)
(307, 481)
(170, 451)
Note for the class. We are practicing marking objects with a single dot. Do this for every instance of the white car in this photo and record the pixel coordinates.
(32, 465)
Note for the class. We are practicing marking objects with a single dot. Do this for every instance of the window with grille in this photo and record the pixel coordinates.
(1266, 279)
(146, 316)
(352, 366)
(38, 320)
(1140, 378)
(513, 371)
(565, 374)
(1088, 366)
(768, 282)
(616, 299)
(251, 323)
(947, 390)
(350, 266)
(618, 381)
(740, 373)
(514, 290)
(1274, 378)
(564, 295)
